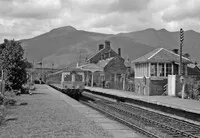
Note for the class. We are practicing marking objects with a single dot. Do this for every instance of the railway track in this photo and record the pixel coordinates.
(122, 120)
(147, 122)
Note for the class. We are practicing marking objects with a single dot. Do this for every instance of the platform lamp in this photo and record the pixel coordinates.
(181, 64)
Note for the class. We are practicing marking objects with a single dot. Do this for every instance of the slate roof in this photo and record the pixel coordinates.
(103, 63)
(193, 71)
(91, 67)
(95, 53)
(161, 55)
(99, 52)
(74, 64)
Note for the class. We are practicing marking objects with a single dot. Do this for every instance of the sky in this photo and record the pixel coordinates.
(21, 19)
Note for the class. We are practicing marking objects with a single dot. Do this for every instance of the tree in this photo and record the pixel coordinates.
(28, 64)
(13, 64)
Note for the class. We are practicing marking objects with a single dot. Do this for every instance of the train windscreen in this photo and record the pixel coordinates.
(68, 77)
(78, 77)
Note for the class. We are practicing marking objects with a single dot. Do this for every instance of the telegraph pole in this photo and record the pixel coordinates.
(181, 47)
(181, 64)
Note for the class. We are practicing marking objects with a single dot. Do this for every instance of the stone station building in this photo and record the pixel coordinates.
(106, 66)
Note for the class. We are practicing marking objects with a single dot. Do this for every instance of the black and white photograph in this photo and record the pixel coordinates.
(100, 69)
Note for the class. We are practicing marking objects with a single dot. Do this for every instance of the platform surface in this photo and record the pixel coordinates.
(49, 113)
(168, 101)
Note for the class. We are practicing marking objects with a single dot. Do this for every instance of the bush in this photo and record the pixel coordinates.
(192, 88)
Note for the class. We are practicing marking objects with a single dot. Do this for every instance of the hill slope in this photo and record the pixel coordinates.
(64, 45)
(169, 40)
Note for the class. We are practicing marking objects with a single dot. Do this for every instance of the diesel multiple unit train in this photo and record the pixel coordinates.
(70, 81)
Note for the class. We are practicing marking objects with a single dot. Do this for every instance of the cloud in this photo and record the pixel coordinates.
(109, 6)
(28, 18)
(181, 10)
(39, 9)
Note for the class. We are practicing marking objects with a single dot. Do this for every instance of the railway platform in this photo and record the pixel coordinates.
(50, 113)
(183, 107)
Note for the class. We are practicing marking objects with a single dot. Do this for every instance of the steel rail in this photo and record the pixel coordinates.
(187, 133)
(121, 120)
(177, 131)
(186, 126)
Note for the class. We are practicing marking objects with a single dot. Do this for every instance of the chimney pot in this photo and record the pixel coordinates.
(175, 51)
(107, 44)
(101, 46)
(119, 51)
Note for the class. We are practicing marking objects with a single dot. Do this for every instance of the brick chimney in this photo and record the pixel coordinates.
(175, 51)
(119, 51)
(101, 46)
(107, 44)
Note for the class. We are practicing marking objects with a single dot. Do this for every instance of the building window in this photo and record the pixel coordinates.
(153, 69)
(161, 71)
(168, 69)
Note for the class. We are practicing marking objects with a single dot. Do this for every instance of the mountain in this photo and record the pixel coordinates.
(169, 40)
(62, 46)
(59, 47)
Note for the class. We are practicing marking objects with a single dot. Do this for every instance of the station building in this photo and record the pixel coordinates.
(152, 70)
(107, 66)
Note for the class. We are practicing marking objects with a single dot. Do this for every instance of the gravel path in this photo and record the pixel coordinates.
(47, 116)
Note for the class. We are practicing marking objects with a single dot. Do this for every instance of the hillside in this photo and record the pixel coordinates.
(169, 40)
(64, 45)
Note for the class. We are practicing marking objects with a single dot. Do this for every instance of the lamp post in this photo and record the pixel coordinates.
(181, 64)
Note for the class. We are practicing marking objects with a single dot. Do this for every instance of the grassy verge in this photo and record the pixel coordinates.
(5, 102)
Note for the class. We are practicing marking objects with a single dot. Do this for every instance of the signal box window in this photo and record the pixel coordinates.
(161, 70)
(168, 69)
(153, 69)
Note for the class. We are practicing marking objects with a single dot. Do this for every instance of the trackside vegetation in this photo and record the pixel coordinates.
(14, 66)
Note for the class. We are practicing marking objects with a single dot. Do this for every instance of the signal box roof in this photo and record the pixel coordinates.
(161, 55)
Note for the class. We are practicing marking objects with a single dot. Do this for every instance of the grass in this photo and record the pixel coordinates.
(5, 103)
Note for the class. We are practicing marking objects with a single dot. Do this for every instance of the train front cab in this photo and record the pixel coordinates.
(73, 83)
